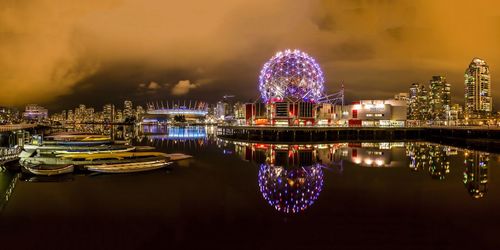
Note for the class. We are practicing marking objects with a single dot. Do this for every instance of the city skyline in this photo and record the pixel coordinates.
(374, 47)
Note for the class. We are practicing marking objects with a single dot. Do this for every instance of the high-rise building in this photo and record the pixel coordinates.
(118, 115)
(89, 115)
(71, 116)
(108, 113)
(128, 110)
(478, 100)
(418, 105)
(439, 98)
(80, 113)
(139, 112)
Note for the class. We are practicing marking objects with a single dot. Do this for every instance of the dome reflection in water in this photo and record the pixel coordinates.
(290, 190)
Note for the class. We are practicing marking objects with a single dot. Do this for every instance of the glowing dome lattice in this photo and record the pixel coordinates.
(291, 75)
(290, 190)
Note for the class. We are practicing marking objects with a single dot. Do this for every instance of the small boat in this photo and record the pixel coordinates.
(128, 167)
(49, 170)
(178, 156)
(78, 137)
(117, 156)
(78, 143)
(95, 150)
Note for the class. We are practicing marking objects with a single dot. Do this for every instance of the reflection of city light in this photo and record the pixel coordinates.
(368, 161)
(357, 160)
(379, 162)
(290, 190)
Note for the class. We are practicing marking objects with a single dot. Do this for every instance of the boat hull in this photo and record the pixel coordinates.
(126, 168)
(50, 172)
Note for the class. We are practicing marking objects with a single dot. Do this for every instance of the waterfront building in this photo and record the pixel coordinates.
(418, 103)
(439, 98)
(188, 112)
(478, 100)
(239, 113)
(34, 112)
(291, 85)
(455, 114)
(374, 113)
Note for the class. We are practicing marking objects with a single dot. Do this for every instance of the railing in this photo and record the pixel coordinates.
(12, 127)
(487, 127)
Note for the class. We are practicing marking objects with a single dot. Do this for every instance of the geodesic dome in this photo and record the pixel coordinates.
(291, 75)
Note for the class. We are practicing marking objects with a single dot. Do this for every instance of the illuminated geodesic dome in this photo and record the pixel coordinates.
(291, 75)
(292, 190)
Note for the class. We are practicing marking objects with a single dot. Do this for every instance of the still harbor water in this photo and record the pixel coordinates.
(238, 195)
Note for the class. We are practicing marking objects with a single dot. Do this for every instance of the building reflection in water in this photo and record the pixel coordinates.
(290, 190)
(373, 154)
(175, 137)
(476, 173)
(290, 176)
(431, 157)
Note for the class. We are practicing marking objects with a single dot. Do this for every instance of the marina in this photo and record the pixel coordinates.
(271, 188)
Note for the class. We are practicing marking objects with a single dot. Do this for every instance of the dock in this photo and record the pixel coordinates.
(481, 138)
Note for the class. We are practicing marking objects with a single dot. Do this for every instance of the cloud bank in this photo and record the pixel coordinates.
(59, 52)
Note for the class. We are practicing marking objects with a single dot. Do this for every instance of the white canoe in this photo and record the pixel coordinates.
(128, 167)
(108, 151)
(48, 171)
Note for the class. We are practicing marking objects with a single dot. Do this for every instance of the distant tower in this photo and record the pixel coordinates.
(439, 98)
(478, 101)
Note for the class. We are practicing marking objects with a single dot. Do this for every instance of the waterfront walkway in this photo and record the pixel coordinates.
(14, 127)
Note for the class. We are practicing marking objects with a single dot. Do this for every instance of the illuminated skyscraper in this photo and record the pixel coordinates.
(418, 103)
(108, 113)
(478, 101)
(128, 110)
(439, 98)
(139, 112)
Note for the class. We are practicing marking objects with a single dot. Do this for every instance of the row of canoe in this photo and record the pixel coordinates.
(125, 165)
(63, 153)
(50, 170)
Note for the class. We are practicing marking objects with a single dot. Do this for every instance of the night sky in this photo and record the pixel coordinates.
(60, 53)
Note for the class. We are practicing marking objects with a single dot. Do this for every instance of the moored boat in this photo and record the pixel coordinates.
(96, 150)
(128, 167)
(117, 156)
(49, 170)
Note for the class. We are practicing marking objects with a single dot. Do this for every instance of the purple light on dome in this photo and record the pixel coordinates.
(292, 75)
(290, 190)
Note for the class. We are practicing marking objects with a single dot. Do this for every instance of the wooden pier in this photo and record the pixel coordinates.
(481, 138)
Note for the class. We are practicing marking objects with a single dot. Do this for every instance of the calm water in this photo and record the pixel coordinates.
(262, 196)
